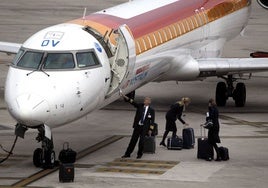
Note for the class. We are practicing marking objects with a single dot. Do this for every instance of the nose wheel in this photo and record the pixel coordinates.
(224, 91)
(44, 157)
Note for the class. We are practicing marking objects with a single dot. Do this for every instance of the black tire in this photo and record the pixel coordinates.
(37, 157)
(49, 159)
(221, 92)
(240, 95)
(263, 3)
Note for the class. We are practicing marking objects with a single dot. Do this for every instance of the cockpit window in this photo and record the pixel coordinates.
(86, 59)
(18, 56)
(30, 60)
(59, 61)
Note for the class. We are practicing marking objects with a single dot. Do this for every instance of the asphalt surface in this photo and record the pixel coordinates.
(243, 130)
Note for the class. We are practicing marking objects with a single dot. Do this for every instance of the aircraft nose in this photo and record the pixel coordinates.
(30, 110)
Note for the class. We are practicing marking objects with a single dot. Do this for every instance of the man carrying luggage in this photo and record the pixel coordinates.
(144, 118)
(174, 113)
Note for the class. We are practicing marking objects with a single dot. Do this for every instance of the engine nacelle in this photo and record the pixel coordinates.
(263, 3)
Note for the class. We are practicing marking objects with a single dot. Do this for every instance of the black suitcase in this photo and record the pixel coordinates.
(66, 172)
(188, 138)
(67, 155)
(149, 144)
(204, 149)
(224, 153)
(174, 143)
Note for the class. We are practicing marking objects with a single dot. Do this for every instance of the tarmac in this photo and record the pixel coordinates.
(100, 138)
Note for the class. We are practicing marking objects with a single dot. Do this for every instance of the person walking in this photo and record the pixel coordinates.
(144, 117)
(213, 131)
(174, 113)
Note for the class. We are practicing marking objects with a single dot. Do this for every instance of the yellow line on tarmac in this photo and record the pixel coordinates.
(147, 161)
(131, 171)
(140, 165)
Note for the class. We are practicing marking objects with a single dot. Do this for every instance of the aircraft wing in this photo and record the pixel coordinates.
(226, 66)
(9, 48)
(184, 67)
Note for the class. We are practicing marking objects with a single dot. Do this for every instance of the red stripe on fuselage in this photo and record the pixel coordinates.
(156, 19)
(153, 20)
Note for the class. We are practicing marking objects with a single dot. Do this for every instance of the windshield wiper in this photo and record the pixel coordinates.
(37, 70)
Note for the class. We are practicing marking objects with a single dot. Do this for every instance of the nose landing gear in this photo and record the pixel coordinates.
(44, 157)
(223, 92)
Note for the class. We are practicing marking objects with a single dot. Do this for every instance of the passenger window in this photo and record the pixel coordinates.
(86, 59)
(59, 61)
(30, 60)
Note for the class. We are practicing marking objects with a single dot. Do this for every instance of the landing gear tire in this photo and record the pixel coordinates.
(221, 91)
(240, 95)
(44, 157)
(37, 157)
(49, 159)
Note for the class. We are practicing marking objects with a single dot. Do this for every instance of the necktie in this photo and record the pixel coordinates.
(143, 115)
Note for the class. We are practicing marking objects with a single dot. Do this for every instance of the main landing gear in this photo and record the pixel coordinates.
(223, 92)
(44, 157)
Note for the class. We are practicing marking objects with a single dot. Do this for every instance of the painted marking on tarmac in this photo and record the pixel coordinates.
(236, 121)
(139, 165)
(146, 161)
(42, 173)
(130, 171)
(154, 167)
(83, 165)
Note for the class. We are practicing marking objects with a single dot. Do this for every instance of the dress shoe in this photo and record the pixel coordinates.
(218, 159)
(209, 159)
(139, 156)
(163, 144)
(125, 156)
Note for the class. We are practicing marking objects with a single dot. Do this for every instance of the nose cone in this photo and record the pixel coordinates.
(30, 110)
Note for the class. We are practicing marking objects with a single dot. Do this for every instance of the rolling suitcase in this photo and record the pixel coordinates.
(66, 172)
(204, 149)
(149, 144)
(174, 143)
(188, 138)
(224, 153)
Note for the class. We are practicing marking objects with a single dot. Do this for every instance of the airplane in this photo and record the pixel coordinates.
(66, 71)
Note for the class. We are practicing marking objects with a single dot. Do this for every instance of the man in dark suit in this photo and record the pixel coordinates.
(143, 119)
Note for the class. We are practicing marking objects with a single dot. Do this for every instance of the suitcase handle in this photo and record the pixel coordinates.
(201, 127)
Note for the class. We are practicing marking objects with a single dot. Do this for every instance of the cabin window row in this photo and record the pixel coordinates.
(168, 33)
(175, 30)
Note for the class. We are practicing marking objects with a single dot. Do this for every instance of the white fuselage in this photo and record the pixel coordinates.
(53, 97)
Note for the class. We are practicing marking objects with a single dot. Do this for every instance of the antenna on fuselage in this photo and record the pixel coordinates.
(84, 14)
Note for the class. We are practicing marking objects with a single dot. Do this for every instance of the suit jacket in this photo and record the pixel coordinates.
(149, 116)
(175, 112)
(213, 133)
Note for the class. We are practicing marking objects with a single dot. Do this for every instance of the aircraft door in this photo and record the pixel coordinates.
(123, 61)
